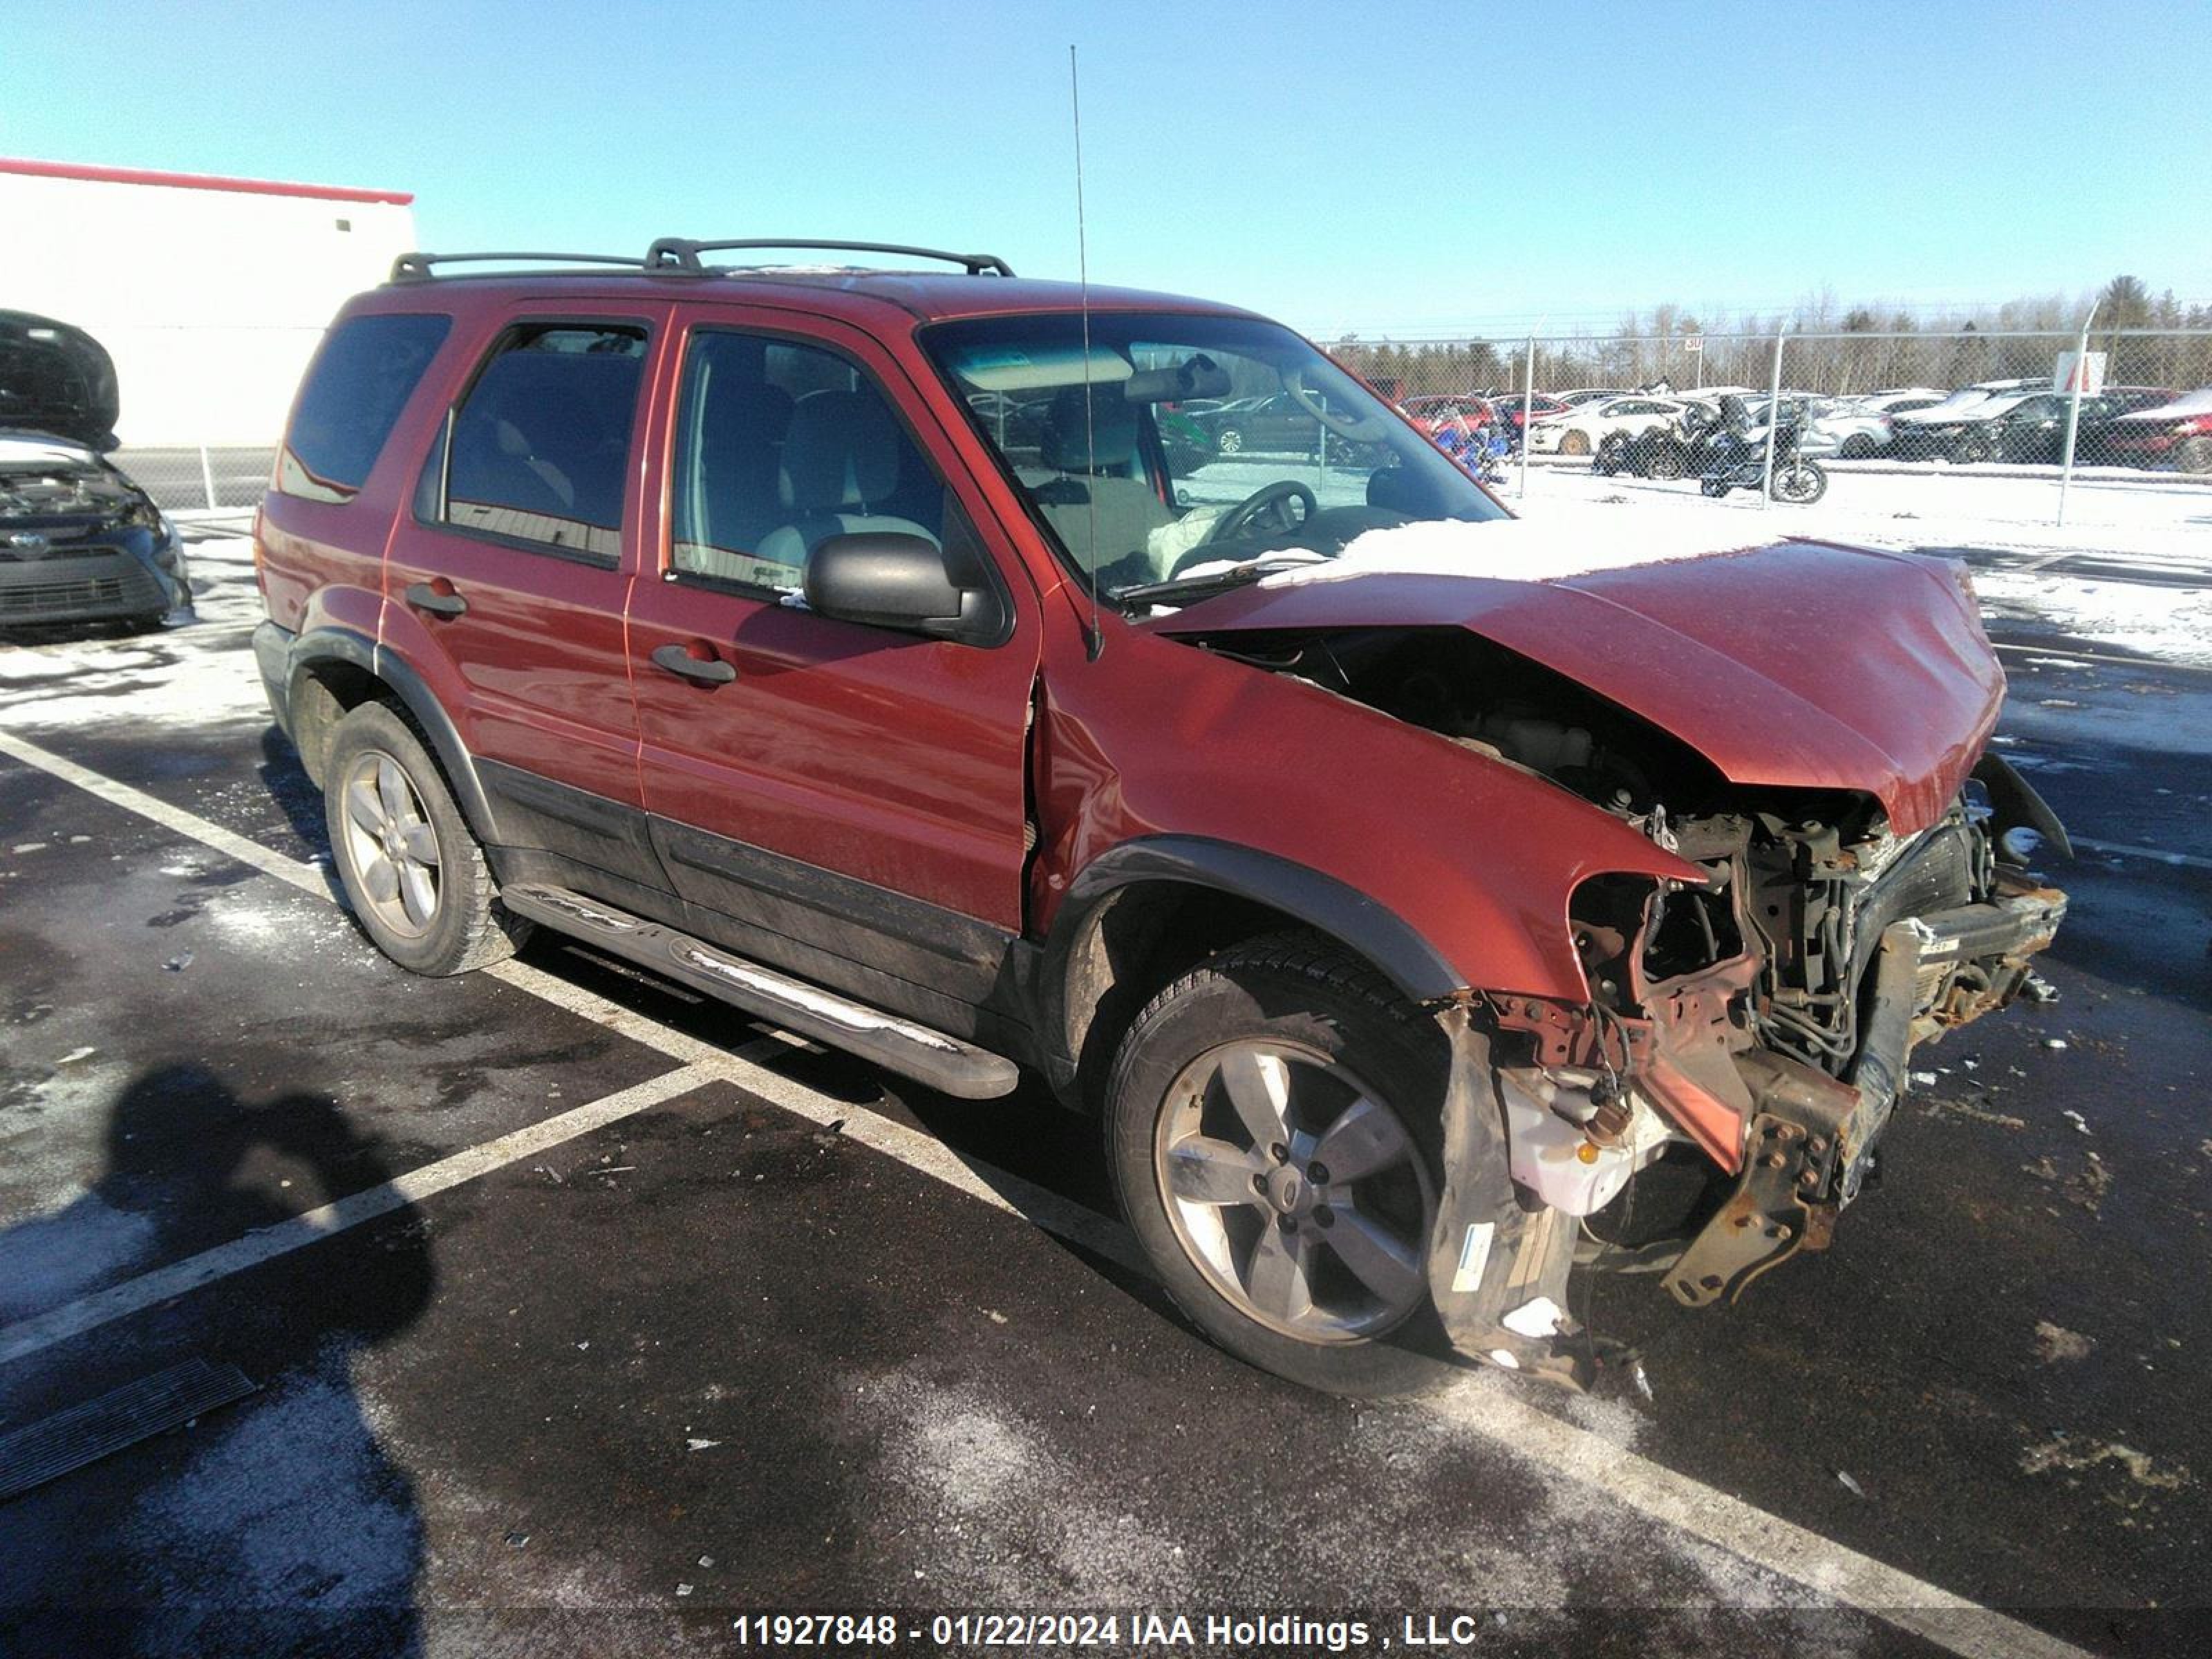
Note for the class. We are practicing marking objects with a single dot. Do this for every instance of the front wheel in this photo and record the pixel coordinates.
(1799, 483)
(1232, 441)
(1273, 1128)
(413, 873)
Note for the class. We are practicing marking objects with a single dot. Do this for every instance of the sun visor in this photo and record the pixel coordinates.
(1035, 367)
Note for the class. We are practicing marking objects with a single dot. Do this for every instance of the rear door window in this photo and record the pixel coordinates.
(539, 449)
(362, 378)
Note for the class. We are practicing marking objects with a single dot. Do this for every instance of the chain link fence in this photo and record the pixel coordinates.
(1997, 403)
(199, 477)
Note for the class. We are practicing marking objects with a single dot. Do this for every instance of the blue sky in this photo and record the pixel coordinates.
(1400, 168)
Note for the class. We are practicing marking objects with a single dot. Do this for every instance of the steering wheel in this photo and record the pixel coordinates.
(1362, 428)
(1273, 499)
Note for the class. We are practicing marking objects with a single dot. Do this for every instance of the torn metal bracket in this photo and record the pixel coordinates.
(1773, 1214)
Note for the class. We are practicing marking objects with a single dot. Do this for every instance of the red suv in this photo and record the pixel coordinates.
(1402, 886)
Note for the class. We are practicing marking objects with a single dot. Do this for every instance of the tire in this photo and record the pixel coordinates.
(1973, 448)
(2193, 455)
(1857, 447)
(1574, 443)
(1667, 459)
(393, 826)
(1302, 1034)
(1799, 483)
(1233, 441)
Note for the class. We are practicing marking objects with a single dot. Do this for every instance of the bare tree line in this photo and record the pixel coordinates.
(1832, 349)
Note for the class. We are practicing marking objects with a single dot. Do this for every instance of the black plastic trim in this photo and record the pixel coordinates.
(1417, 968)
(345, 645)
(943, 932)
(584, 828)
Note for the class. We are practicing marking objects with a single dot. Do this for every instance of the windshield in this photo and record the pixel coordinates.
(1189, 449)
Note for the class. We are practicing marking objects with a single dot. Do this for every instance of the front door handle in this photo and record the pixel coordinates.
(438, 599)
(707, 671)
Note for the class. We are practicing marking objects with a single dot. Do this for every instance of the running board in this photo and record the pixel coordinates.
(944, 1063)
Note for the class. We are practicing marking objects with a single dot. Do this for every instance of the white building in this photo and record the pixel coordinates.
(210, 293)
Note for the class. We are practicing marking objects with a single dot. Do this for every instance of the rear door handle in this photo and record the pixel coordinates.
(707, 671)
(439, 601)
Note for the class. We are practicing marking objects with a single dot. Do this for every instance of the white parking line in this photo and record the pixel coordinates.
(1781, 1548)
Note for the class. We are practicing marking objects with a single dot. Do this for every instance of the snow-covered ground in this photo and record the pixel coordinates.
(2144, 517)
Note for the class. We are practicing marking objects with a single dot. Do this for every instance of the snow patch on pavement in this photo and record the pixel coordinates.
(198, 674)
(2173, 624)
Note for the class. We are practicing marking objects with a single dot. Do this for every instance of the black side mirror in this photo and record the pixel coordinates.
(886, 579)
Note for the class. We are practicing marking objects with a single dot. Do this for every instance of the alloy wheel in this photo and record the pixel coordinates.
(390, 845)
(1296, 1190)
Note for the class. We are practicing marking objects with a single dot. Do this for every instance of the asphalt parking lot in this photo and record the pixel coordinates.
(586, 1317)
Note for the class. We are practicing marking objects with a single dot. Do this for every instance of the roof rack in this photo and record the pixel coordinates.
(682, 254)
(417, 267)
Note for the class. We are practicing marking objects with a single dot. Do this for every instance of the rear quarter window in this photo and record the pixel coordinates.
(368, 368)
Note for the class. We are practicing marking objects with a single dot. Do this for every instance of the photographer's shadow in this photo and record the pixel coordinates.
(286, 1528)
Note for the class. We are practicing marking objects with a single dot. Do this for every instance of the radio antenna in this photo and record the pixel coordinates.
(1096, 640)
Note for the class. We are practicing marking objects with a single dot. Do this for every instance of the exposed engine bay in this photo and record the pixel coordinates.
(46, 486)
(1764, 1018)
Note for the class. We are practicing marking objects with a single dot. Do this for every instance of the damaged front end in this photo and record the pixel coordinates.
(1766, 1016)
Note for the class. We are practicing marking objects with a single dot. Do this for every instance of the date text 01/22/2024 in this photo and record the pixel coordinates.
(1264, 1633)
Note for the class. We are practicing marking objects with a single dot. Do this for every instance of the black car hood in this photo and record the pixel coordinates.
(55, 379)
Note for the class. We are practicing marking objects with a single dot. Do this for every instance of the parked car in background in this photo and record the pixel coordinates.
(2177, 434)
(1433, 412)
(2035, 429)
(1898, 398)
(1961, 428)
(1591, 394)
(1831, 427)
(1279, 425)
(1510, 405)
(1580, 431)
(79, 541)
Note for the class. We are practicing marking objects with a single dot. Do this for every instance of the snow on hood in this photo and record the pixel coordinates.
(1512, 550)
(2187, 404)
(1981, 407)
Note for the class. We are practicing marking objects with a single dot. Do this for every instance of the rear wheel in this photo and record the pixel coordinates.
(1273, 1130)
(2193, 454)
(1574, 443)
(1233, 441)
(415, 876)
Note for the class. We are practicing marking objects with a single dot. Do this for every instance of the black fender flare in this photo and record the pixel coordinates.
(1397, 950)
(345, 645)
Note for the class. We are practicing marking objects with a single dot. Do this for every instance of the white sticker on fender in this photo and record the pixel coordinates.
(1474, 1255)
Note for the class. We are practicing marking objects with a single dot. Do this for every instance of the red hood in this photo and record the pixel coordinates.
(1801, 665)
